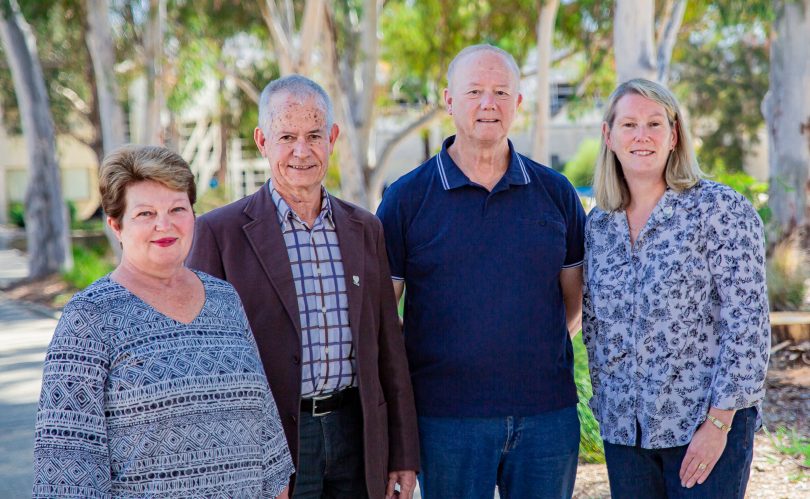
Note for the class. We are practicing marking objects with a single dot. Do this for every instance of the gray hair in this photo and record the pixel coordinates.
(681, 171)
(484, 47)
(297, 86)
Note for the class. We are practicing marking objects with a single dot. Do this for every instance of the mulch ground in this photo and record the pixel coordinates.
(773, 474)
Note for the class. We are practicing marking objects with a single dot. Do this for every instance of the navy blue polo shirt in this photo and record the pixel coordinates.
(485, 326)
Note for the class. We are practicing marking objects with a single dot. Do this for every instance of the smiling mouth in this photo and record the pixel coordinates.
(301, 167)
(488, 121)
(166, 241)
(642, 153)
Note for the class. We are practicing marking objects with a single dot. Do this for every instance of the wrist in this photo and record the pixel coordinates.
(717, 423)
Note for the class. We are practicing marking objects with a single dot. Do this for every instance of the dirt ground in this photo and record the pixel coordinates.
(773, 474)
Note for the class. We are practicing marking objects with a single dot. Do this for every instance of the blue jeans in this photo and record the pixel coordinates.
(330, 455)
(635, 472)
(525, 457)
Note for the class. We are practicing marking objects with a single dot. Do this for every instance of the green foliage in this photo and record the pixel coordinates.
(579, 169)
(421, 38)
(720, 68)
(590, 442)
(16, 214)
(794, 445)
(89, 264)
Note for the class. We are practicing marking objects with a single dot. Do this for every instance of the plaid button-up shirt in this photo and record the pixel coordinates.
(328, 361)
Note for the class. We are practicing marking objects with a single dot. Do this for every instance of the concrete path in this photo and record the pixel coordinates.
(24, 336)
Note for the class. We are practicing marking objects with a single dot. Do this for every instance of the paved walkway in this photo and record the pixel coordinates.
(24, 336)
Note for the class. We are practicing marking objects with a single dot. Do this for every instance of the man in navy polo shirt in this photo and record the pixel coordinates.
(489, 245)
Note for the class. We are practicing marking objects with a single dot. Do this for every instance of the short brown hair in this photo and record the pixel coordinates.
(682, 170)
(130, 164)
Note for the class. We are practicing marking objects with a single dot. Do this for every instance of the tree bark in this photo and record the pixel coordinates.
(46, 218)
(786, 108)
(542, 110)
(101, 47)
(102, 52)
(152, 132)
(633, 42)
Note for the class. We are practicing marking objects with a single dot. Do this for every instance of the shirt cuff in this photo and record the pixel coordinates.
(397, 278)
(573, 265)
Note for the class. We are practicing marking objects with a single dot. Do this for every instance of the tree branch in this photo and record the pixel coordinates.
(668, 37)
(246, 86)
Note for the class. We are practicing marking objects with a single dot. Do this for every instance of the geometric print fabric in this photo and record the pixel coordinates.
(135, 404)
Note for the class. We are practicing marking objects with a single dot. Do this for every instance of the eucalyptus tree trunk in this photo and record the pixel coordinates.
(787, 112)
(542, 111)
(634, 42)
(99, 40)
(46, 218)
(152, 132)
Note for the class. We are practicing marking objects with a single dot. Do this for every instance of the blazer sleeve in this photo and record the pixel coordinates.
(205, 254)
(394, 374)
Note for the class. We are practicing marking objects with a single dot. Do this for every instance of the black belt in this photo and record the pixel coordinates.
(321, 406)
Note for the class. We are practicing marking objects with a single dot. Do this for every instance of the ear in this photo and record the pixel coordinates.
(115, 226)
(333, 135)
(674, 136)
(448, 101)
(606, 134)
(259, 139)
(519, 100)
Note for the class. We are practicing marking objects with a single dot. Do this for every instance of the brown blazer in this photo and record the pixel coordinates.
(242, 243)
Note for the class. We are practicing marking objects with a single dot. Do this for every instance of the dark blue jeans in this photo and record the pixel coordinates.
(330, 459)
(635, 472)
(525, 457)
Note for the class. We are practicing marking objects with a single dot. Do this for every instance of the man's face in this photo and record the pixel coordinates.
(298, 143)
(483, 97)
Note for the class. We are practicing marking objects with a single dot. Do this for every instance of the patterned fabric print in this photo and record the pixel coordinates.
(328, 355)
(678, 322)
(135, 404)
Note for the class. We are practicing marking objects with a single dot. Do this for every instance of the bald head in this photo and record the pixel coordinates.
(472, 50)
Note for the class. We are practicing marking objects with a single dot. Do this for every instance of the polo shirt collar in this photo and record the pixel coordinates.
(285, 213)
(452, 176)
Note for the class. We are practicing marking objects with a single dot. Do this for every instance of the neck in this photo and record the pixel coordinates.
(128, 273)
(645, 192)
(306, 203)
(484, 164)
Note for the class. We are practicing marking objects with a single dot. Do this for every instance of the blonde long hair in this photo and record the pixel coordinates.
(682, 170)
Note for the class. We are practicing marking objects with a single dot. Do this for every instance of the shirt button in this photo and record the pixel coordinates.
(323, 309)
(317, 271)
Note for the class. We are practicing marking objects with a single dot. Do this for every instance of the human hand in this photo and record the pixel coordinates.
(285, 494)
(704, 450)
(407, 483)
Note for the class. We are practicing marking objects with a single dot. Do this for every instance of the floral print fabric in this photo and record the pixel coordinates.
(677, 322)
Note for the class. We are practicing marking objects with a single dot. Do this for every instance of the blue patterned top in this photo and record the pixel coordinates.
(135, 404)
(678, 322)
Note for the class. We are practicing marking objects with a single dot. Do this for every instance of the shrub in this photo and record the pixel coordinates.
(590, 442)
(579, 169)
(88, 266)
(16, 214)
(786, 277)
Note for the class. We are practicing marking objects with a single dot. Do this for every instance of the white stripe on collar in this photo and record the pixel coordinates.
(442, 173)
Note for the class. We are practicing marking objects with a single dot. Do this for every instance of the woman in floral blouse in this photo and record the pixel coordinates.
(675, 312)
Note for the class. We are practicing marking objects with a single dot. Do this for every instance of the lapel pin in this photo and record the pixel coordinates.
(356, 280)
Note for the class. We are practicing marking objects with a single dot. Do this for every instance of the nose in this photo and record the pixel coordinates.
(301, 148)
(642, 133)
(162, 221)
(487, 100)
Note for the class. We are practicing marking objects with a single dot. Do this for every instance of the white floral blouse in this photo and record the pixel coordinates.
(678, 322)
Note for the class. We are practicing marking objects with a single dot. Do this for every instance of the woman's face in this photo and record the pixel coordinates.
(641, 137)
(156, 229)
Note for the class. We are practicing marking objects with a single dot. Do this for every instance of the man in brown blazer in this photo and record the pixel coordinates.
(313, 276)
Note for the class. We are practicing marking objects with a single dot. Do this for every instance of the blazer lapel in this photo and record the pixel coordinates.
(352, 250)
(265, 238)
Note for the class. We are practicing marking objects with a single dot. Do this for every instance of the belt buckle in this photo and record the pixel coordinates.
(315, 400)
